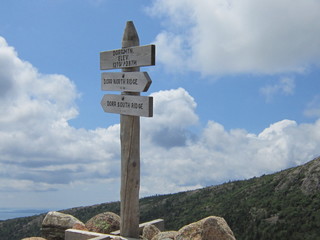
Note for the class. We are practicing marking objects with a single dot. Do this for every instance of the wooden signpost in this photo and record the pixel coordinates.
(128, 57)
(130, 81)
(130, 105)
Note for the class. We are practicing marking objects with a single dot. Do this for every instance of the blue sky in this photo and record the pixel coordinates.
(235, 87)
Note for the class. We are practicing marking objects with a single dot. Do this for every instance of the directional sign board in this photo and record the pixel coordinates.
(125, 81)
(128, 105)
(128, 57)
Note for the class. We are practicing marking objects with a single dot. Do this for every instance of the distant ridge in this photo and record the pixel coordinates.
(9, 213)
(283, 205)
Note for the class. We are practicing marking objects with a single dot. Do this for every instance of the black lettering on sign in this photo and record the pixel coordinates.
(107, 81)
(137, 105)
(130, 63)
(111, 103)
(116, 81)
(123, 58)
(123, 104)
(131, 81)
(122, 51)
(117, 64)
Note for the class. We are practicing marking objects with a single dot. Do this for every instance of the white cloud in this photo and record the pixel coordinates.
(246, 36)
(174, 108)
(41, 152)
(237, 154)
(173, 45)
(174, 113)
(38, 147)
(285, 86)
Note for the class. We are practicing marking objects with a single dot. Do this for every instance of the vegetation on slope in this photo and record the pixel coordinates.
(284, 205)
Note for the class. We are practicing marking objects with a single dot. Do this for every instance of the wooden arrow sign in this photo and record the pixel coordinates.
(128, 105)
(128, 57)
(125, 81)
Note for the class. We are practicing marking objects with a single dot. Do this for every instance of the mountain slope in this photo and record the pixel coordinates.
(284, 205)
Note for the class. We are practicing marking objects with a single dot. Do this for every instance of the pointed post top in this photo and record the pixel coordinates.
(130, 39)
(130, 36)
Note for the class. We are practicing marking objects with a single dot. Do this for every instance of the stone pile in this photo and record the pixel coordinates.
(55, 224)
(34, 238)
(210, 228)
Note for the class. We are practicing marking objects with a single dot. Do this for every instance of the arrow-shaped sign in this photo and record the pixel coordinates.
(128, 105)
(125, 81)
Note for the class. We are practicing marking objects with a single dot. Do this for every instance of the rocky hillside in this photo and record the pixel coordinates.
(284, 205)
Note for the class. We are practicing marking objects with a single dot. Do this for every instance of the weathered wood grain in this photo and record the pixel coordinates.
(130, 155)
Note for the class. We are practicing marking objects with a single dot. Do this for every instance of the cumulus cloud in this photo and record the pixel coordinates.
(285, 86)
(237, 154)
(174, 112)
(173, 54)
(39, 149)
(41, 152)
(247, 36)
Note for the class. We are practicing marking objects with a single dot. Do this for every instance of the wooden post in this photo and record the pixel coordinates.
(130, 154)
(130, 105)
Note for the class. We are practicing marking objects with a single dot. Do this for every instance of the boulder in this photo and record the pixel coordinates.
(210, 228)
(165, 235)
(149, 231)
(79, 226)
(106, 222)
(55, 223)
(34, 238)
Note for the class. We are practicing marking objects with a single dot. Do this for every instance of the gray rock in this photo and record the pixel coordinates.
(150, 231)
(34, 238)
(55, 223)
(170, 235)
(210, 228)
(106, 222)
